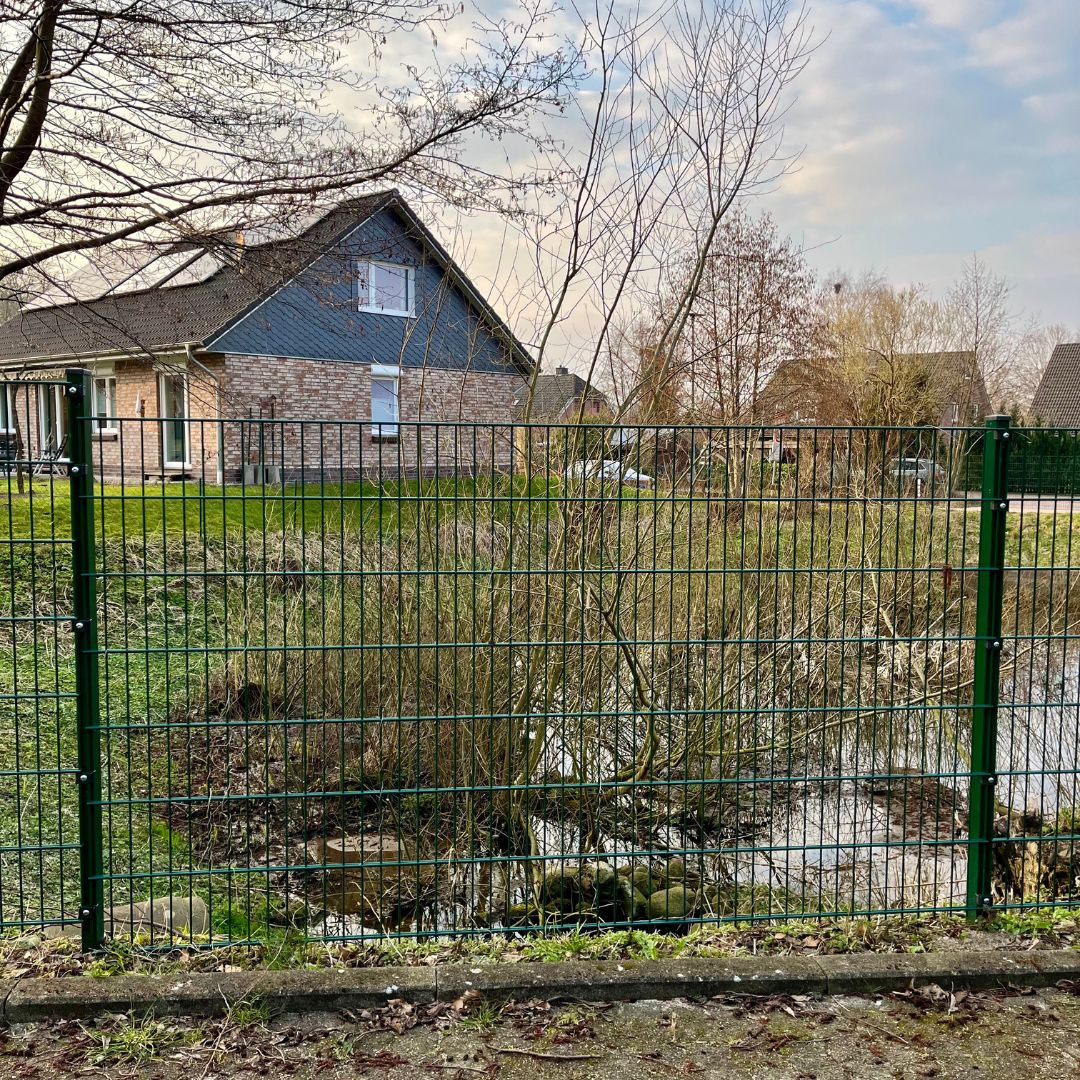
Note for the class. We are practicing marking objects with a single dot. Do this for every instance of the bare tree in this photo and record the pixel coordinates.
(876, 359)
(752, 311)
(686, 115)
(147, 121)
(1028, 354)
(978, 322)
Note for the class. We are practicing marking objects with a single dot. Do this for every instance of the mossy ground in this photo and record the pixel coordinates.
(932, 1033)
(1044, 928)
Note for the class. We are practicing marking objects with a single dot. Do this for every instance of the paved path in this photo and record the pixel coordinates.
(1010, 1035)
(1063, 506)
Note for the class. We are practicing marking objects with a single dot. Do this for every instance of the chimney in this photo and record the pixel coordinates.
(562, 371)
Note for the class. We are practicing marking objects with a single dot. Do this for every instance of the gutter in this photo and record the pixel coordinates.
(33, 363)
(189, 352)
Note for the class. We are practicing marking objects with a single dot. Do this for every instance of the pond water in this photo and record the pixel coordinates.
(876, 825)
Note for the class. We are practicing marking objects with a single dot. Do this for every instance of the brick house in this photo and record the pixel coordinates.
(560, 398)
(947, 385)
(212, 358)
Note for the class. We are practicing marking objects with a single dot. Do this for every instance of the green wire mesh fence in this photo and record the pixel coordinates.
(458, 678)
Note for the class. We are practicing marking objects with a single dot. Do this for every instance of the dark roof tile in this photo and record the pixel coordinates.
(554, 394)
(1057, 400)
(137, 323)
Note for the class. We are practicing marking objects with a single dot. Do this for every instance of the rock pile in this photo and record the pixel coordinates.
(598, 892)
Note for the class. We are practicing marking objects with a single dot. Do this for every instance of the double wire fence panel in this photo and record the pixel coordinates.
(455, 678)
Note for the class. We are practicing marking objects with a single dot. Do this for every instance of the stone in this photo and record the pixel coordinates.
(715, 901)
(623, 906)
(675, 870)
(177, 918)
(597, 880)
(523, 914)
(643, 880)
(364, 885)
(562, 886)
(675, 902)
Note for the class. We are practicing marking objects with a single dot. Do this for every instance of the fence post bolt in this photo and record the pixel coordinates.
(87, 710)
(986, 685)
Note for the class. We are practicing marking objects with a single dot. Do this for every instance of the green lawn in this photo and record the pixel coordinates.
(193, 572)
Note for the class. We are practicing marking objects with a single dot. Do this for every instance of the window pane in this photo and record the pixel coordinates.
(384, 406)
(384, 400)
(388, 287)
(5, 409)
(104, 402)
(174, 412)
(52, 418)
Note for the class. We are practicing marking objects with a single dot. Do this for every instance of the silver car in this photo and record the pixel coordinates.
(608, 471)
(912, 470)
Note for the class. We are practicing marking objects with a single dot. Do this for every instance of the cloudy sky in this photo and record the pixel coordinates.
(934, 128)
(926, 130)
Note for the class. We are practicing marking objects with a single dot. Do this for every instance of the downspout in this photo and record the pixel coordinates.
(189, 352)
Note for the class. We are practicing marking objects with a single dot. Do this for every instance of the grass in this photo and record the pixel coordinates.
(483, 1019)
(247, 1012)
(137, 1040)
(193, 509)
(250, 641)
(1038, 928)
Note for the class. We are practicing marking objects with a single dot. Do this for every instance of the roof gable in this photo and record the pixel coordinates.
(804, 389)
(316, 315)
(144, 321)
(1057, 400)
(555, 393)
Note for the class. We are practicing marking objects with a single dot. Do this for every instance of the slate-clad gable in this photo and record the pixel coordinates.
(136, 322)
(315, 316)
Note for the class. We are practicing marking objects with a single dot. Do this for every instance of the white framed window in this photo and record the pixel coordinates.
(385, 288)
(385, 381)
(105, 403)
(173, 395)
(52, 422)
(7, 411)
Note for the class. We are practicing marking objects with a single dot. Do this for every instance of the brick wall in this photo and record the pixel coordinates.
(131, 448)
(309, 417)
(285, 397)
(135, 448)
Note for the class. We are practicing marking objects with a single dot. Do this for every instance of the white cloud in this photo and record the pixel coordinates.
(938, 129)
(958, 14)
(1035, 44)
(929, 129)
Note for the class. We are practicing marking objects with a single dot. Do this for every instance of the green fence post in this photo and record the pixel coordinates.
(985, 689)
(79, 391)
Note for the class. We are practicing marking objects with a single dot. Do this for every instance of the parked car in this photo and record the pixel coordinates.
(608, 470)
(913, 470)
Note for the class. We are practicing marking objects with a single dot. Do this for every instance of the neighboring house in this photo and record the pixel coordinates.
(560, 398)
(947, 385)
(207, 355)
(811, 392)
(1057, 400)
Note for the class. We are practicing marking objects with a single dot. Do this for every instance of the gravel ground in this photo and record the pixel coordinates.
(926, 1033)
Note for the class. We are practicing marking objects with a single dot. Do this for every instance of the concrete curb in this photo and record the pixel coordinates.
(80, 997)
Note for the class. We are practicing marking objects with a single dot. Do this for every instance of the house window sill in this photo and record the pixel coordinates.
(394, 313)
(107, 435)
(384, 439)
